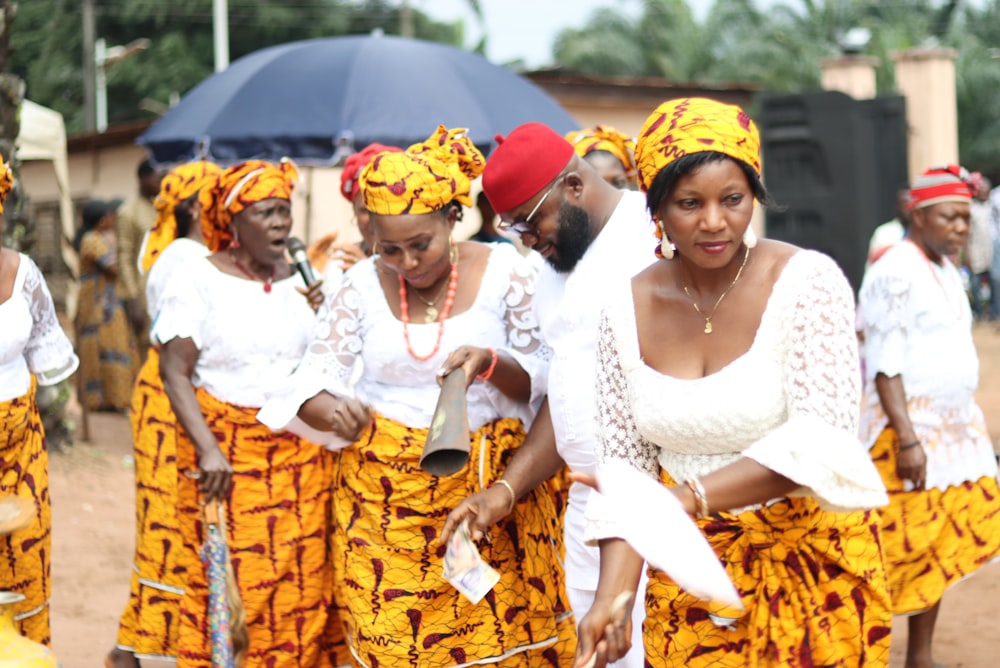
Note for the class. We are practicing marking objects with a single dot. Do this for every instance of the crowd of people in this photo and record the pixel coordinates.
(616, 305)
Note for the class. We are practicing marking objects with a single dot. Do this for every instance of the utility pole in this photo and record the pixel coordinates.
(220, 33)
(406, 19)
(89, 71)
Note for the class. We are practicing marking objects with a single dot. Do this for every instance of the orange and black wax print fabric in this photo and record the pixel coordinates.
(25, 554)
(148, 626)
(398, 609)
(277, 521)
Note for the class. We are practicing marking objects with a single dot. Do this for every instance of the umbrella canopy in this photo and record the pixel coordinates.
(300, 99)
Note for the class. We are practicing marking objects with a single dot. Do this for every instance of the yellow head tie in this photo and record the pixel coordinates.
(6, 181)
(181, 183)
(605, 138)
(694, 125)
(425, 178)
(241, 186)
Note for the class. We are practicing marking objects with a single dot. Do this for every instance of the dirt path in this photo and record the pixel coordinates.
(93, 527)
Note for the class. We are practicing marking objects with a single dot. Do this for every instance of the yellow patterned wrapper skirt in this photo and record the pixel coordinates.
(277, 520)
(148, 625)
(25, 554)
(933, 538)
(398, 609)
(813, 583)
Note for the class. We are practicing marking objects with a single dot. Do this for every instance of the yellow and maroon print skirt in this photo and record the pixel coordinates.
(148, 626)
(277, 521)
(25, 554)
(933, 538)
(813, 584)
(397, 608)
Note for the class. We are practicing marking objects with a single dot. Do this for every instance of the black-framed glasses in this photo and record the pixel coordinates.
(525, 226)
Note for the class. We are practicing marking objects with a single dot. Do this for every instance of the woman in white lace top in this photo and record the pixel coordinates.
(424, 306)
(34, 351)
(729, 371)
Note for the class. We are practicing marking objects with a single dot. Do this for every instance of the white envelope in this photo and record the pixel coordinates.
(654, 523)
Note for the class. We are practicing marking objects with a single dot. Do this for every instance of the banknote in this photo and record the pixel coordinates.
(465, 569)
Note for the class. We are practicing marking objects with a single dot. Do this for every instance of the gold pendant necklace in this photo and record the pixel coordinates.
(432, 311)
(708, 318)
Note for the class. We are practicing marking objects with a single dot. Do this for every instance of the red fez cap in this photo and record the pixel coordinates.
(526, 161)
(349, 185)
(941, 184)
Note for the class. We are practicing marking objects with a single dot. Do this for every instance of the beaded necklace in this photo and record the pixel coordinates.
(253, 277)
(404, 312)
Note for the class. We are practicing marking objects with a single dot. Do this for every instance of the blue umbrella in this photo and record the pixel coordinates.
(303, 99)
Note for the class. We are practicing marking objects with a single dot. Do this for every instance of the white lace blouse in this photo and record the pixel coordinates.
(918, 324)
(357, 325)
(790, 402)
(248, 340)
(31, 340)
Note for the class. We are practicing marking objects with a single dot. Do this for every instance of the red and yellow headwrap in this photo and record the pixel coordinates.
(951, 183)
(694, 125)
(425, 178)
(241, 186)
(349, 182)
(6, 181)
(605, 138)
(181, 183)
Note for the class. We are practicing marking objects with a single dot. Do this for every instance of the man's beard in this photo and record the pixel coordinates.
(573, 238)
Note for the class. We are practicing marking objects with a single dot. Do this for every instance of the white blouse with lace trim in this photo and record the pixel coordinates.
(357, 324)
(918, 324)
(790, 402)
(248, 340)
(31, 340)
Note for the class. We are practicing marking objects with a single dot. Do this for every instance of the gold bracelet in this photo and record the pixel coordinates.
(700, 500)
(513, 496)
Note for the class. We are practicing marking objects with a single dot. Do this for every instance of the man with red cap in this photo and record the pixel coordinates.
(591, 235)
(927, 435)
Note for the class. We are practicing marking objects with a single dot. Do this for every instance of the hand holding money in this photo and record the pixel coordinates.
(465, 569)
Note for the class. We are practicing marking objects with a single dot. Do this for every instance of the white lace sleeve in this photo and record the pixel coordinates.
(886, 314)
(617, 435)
(524, 340)
(327, 365)
(818, 447)
(49, 352)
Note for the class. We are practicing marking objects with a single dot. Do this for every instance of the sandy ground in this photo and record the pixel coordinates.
(93, 528)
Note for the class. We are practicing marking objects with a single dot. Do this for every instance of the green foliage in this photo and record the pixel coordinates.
(48, 44)
(779, 49)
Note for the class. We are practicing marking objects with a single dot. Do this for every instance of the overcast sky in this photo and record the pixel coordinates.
(526, 29)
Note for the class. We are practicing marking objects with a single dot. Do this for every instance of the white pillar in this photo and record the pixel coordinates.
(220, 32)
(101, 89)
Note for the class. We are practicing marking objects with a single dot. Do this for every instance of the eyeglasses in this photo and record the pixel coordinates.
(524, 226)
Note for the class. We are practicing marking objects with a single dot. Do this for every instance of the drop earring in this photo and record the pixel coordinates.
(666, 247)
(749, 238)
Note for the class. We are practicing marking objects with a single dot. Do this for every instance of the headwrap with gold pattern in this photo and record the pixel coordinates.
(694, 125)
(182, 182)
(6, 181)
(605, 138)
(425, 178)
(241, 186)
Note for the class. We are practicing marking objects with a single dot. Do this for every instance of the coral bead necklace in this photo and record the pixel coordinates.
(449, 301)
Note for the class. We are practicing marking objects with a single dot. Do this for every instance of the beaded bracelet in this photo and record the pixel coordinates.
(486, 375)
(700, 500)
(907, 446)
(510, 488)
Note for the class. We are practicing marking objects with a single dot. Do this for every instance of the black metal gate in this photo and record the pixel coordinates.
(833, 164)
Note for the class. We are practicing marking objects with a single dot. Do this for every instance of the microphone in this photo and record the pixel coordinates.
(300, 259)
